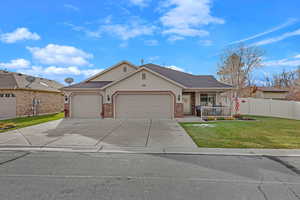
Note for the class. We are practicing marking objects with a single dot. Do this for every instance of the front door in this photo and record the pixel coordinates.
(187, 104)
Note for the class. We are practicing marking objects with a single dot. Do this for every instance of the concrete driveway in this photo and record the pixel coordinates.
(99, 133)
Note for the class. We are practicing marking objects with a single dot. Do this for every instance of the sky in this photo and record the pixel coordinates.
(57, 39)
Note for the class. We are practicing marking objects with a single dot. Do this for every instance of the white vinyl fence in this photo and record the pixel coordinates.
(269, 107)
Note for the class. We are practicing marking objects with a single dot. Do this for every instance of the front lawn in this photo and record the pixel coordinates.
(29, 121)
(265, 132)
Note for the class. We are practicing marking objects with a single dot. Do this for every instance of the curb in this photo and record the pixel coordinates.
(158, 150)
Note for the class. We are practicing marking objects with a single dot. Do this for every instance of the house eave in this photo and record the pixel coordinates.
(208, 89)
(81, 89)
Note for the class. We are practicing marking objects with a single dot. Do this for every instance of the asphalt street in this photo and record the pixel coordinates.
(57, 175)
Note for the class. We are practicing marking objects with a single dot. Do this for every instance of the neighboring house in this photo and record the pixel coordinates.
(265, 92)
(19, 97)
(125, 91)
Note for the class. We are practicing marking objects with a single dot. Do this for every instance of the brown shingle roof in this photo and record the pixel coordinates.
(186, 79)
(91, 84)
(13, 80)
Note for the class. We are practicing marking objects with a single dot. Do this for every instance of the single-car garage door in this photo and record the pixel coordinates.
(144, 106)
(86, 106)
(7, 106)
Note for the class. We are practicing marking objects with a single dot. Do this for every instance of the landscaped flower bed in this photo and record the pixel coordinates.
(234, 117)
(7, 125)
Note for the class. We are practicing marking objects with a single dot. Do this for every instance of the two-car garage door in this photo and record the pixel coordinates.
(144, 106)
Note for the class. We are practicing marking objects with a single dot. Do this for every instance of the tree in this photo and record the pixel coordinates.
(284, 79)
(236, 65)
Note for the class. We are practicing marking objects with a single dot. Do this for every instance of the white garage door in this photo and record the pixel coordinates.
(144, 106)
(86, 106)
(7, 106)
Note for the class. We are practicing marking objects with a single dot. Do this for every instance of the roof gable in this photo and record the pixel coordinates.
(111, 70)
(146, 69)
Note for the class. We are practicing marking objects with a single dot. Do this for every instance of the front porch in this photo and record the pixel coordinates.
(199, 104)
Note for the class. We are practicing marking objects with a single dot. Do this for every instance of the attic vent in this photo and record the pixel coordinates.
(124, 69)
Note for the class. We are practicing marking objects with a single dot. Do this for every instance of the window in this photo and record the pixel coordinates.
(143, 76)
(207, 99)
(7, 95)
(124, 69)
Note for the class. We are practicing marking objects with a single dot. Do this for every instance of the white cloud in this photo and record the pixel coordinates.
(186, 32)
(289, 22)
(297, 56)
(277, 39)
(90, 72)
(18, 35)
(54, 54)
(175, 68)
(151, 42)
(126, 32)
(15, 64)
(286, 62)
(89, 33)
(152, 59)
(206, 42)
(59, 71)
(140, 3)
(135, 27)
(174, 38)
(186, 17)
(71, 7)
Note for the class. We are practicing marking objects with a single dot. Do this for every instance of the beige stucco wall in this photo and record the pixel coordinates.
(115, 73)
(49, 102)
(274, 95)
(151, 83)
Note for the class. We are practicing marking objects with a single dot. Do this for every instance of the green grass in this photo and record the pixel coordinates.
(266, 132)
(29, 121)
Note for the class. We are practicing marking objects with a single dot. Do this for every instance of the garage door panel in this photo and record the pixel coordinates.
(8, 107)
(144, 106)
(86, 106)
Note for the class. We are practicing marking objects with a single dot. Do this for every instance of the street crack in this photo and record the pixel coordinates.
(260, 189)
(284, 163)
(15, 158)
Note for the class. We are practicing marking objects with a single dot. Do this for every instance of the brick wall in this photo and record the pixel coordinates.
(179, 110)
(108, 110)
(67, 110)
(49, 102)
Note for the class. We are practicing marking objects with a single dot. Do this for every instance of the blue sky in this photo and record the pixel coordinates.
(73, 38)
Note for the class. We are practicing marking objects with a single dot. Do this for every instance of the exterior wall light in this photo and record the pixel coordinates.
(66, 99)
(108, 98)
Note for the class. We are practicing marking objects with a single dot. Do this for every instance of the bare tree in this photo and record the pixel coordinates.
(284, 79)
(236, 65)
